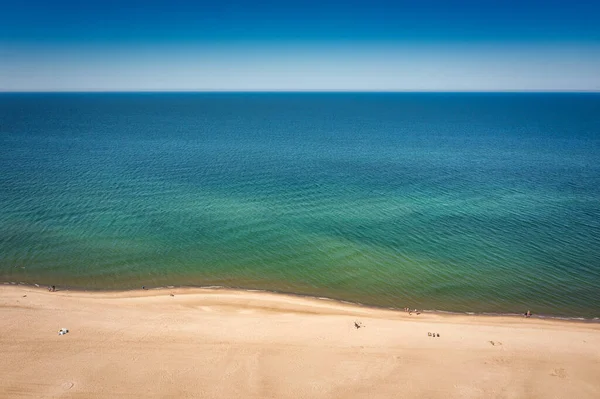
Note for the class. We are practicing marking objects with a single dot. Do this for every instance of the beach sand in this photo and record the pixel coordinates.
(203, 343)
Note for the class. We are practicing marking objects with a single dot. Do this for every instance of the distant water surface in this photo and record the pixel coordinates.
(459, 202)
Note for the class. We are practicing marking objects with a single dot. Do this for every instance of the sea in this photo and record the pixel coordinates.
(457, 202)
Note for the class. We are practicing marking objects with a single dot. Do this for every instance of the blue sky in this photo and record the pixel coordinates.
(293, 45)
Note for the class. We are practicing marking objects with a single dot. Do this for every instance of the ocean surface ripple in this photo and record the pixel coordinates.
(455, 202)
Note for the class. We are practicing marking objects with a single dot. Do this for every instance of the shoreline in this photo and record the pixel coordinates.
(218, 343)
(195, 289)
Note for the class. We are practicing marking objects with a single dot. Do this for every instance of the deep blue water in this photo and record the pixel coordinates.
(462, 202)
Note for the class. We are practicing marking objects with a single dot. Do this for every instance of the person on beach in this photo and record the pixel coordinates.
(528, 313)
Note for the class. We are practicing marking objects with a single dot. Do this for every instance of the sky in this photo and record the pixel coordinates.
(420, 45)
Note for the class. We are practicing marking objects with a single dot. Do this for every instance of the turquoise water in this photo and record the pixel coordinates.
(458, 202)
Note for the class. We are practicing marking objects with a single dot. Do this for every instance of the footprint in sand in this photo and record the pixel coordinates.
(67, 385)
(560, 373)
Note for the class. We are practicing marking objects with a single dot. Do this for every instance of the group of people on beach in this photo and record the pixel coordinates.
(410, 312)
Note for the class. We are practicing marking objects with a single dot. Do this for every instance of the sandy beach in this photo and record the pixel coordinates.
(201, 343)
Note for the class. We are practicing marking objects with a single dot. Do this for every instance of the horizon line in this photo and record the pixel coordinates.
(549, 91)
